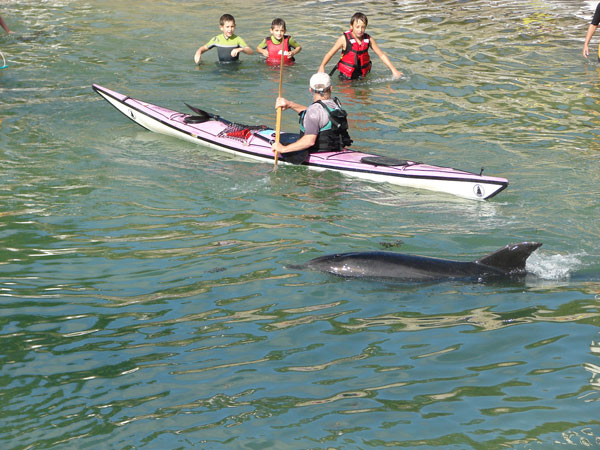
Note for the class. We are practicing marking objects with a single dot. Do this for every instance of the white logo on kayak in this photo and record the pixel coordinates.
(478, 190)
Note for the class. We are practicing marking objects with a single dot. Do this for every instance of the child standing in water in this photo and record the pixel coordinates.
(590, 32)
(229, 45)
(271, 47)
(355, 61)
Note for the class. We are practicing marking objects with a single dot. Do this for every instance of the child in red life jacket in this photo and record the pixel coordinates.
(355, 61)
(271, 47)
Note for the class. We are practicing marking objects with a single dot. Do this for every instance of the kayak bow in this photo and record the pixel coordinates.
(254, 142)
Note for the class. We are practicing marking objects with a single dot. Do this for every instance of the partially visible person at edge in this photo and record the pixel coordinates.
(229, 45)
(590, 32)
(3, 25)
(271, 47)
(323, 124)
(355, 61)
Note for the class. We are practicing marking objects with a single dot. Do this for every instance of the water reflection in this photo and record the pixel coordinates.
(477, 320)
(144, 293)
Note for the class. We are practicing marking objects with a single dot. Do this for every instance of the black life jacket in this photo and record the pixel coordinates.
(334, 135)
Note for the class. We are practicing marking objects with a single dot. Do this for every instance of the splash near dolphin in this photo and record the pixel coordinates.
(506, 262)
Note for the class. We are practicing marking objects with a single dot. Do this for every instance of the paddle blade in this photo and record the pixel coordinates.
(196, 119)
(201, 113)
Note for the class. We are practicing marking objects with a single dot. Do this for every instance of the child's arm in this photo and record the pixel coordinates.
(296, 50)
(3, 24)
(247, 50)
(262, 51)
(590, 32)
(262, 48)
(199, 52)
(243, 47)
(395, 73)
(339, 44)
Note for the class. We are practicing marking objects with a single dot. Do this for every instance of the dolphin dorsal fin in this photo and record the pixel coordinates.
(510, 258)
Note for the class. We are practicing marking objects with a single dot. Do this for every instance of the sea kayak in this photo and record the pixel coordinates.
(254, 142)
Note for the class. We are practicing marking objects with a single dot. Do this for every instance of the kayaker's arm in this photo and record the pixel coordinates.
(306, 141)
(590, 32)
(288, 104)
(395, 72)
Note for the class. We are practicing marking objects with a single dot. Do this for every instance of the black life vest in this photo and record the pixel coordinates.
(334, 135)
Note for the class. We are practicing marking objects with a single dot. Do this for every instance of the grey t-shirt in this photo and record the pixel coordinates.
(316, 116)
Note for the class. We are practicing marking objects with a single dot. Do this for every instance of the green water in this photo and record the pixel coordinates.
(145, 295)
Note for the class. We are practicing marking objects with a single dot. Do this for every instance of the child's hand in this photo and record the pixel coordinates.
(236, 51)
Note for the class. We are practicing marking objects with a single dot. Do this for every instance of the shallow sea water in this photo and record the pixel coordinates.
(145, 290)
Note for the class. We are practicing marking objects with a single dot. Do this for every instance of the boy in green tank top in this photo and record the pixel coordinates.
(229, 45)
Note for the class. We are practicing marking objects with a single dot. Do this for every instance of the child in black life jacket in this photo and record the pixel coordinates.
(355, 61)
(271, 47)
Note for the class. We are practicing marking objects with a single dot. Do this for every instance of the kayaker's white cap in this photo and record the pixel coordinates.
(320, 82)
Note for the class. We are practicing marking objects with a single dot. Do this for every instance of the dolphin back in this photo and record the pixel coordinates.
(511, 258)
(388, 265)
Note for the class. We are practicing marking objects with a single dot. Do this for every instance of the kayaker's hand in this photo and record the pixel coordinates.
(277, 147)
(586, 51)
(281, 103)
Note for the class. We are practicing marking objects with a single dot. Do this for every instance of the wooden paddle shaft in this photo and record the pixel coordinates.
(278, 119)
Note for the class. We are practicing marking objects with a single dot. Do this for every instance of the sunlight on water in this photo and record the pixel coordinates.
(553, 267)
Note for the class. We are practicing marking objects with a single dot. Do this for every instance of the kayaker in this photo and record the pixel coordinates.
(590, 32)
(323, 124)
(355, 61)
(229, 45)
(3, 25)
(271, 47)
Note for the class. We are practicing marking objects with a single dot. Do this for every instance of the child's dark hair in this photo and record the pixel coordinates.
(359, 16)
(278, 23)
(226, 18)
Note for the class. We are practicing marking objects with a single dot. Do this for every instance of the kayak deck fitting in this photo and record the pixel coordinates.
(255, 142)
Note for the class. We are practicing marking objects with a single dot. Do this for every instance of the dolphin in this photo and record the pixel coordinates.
(506, 262)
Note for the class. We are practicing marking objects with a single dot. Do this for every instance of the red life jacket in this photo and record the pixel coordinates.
(355, 61)
(274, 58)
